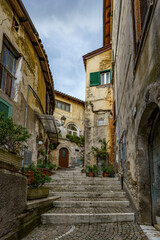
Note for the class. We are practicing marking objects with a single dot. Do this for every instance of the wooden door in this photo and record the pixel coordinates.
(63, 158)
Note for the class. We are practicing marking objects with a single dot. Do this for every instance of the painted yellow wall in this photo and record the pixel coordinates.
(77, 111)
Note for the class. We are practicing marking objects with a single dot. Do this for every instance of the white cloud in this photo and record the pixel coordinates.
(68, 29)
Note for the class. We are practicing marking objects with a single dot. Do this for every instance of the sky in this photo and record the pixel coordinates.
(68, 29)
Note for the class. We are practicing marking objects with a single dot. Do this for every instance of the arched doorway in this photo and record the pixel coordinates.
(148, 153)
(154, 152)
(63, 157)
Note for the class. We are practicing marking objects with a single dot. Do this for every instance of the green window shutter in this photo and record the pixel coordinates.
(5, 107)
(94, 78)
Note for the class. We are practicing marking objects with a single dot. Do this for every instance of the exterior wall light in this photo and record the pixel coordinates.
(63, 119)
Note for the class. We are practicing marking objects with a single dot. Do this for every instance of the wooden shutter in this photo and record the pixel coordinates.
(4, 108)
(95, 79)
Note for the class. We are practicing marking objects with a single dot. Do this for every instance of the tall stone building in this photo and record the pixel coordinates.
(26, 84)
(136, 48)
(99, 95)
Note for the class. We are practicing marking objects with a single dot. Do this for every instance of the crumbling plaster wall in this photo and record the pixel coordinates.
(135, 88)
(28, 71)
(99, 102)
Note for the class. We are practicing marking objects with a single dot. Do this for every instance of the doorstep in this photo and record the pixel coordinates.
(40, 202)
(151, 232)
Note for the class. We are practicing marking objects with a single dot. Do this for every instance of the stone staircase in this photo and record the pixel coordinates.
(86, 200)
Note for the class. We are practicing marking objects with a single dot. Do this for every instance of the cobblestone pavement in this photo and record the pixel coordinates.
(110, 231)
(90, 210)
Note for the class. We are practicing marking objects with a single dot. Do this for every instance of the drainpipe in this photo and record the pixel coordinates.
(26, 115)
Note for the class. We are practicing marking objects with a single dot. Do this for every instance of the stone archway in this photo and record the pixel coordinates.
(144, 163)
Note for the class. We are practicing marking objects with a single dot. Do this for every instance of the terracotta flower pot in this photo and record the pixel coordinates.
(91, 174)
(105, 174)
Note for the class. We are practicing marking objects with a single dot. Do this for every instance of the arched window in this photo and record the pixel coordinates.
(72, 129)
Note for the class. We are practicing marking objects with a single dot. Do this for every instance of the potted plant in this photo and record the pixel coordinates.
(89, 171)
(36, 180)
(105, 171)
(95, 170)
(11, 138)
(44, 165)
(111, 171)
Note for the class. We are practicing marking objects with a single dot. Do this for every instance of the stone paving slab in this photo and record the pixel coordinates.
(110, 231)
(93, 199)
(90, 203)
(151, 232)
(108, 194)
(91, 210)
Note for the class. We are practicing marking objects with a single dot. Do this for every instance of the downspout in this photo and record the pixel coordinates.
(26, 115)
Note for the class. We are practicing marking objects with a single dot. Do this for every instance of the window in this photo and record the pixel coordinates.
(140, 14)
(100, 78)
(7, 71)
(101, 122)
(72, 130)
(105, 78)
(5, 107)
(62, 105)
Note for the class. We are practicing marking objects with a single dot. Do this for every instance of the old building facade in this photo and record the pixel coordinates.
(26, 84)
(99, 95)
(136, 47)
(69, 117)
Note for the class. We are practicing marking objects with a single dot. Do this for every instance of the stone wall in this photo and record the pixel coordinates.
(137, 85)
(13, 195)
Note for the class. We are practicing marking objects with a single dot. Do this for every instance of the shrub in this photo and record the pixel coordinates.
(37, 178)
(12, 135)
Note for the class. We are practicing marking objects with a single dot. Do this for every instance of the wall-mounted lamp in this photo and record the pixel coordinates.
(63, 119)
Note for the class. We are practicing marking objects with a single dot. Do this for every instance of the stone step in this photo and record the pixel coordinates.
(90, 204)
(83, 178)
(89, 218)
(109, 194)
(83, 182)
(84, 188)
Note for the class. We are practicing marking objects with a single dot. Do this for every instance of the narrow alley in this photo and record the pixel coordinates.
(80, 119)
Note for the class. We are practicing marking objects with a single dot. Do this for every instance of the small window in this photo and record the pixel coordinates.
(7, 71)
(5, 108)
(100, 78)
(101, 122)
(62, 105)
(105, 78)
